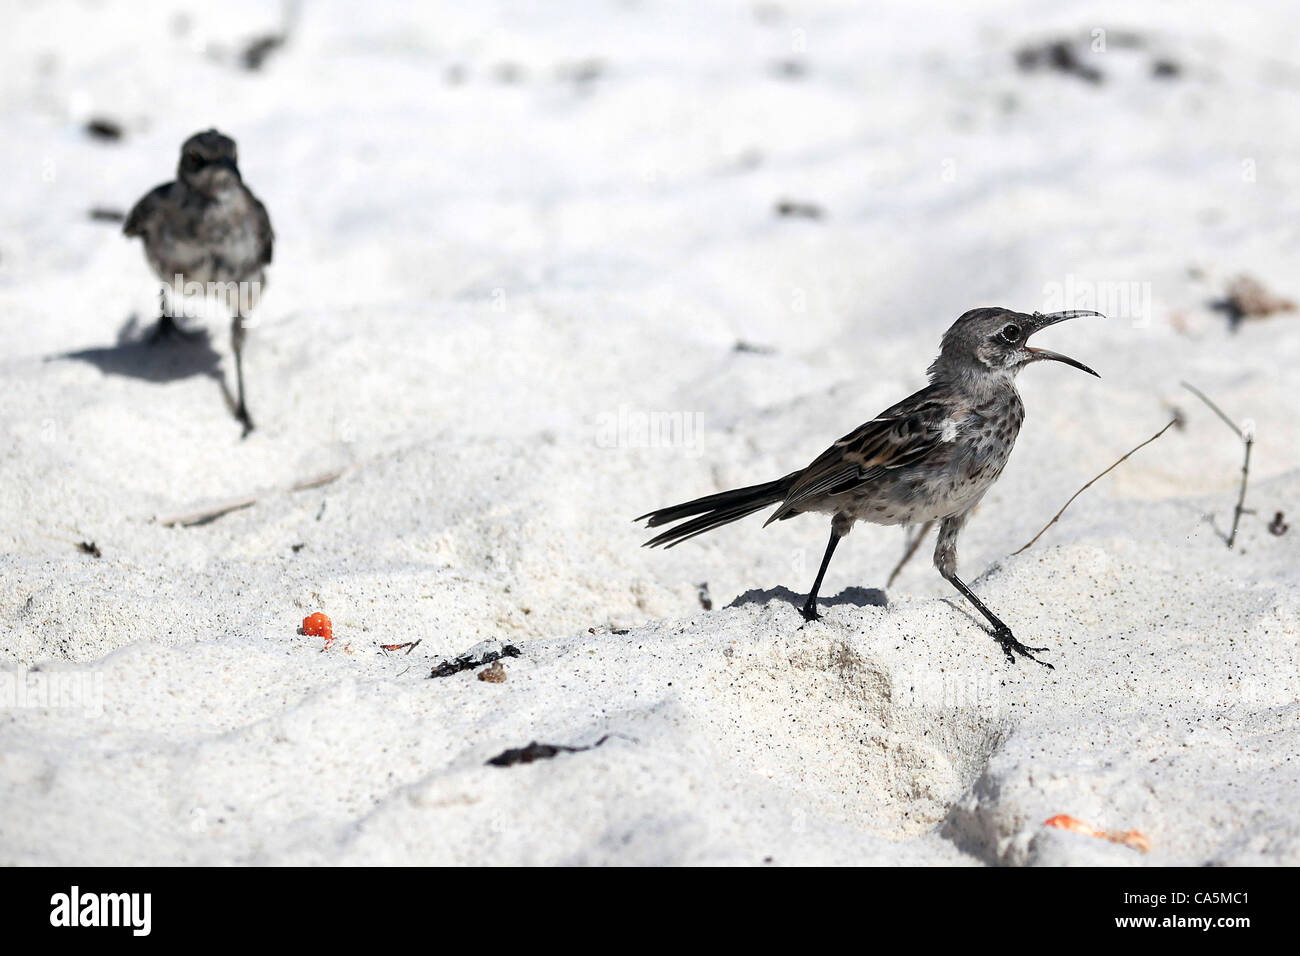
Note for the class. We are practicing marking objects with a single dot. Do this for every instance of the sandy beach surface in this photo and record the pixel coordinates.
(533, 277)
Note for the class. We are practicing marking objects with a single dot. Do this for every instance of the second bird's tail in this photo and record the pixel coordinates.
(715, 510)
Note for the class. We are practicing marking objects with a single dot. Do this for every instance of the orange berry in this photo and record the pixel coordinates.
(318, 625)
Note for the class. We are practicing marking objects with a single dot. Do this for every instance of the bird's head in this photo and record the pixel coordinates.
(208, 163)
(990, 343)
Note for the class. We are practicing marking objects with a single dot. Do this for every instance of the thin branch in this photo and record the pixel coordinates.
(1173, 421)
(1238, 511)
(911, 550)
(1214, 408)
(211, 512)
(1247, 436)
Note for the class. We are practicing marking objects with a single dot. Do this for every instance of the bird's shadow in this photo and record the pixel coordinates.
(852, 596)
(138, 354)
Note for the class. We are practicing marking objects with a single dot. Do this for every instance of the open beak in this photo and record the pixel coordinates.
(1038, 322)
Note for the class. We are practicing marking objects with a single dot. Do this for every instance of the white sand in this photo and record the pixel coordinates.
(478, 287)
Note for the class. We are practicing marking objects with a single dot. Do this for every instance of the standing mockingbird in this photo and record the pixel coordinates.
(931, 457)
(207, 228)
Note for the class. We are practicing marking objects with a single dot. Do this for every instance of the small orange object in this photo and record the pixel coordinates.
(318, 625)
(1064, 822)
(1130, 838)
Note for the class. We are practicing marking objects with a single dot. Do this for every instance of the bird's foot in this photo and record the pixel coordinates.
(244, 419)
(166, 329)
(809, 611)
(1009, 644)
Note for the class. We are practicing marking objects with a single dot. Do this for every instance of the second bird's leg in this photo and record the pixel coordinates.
(237, 333)
(838, 530)
(945, 559)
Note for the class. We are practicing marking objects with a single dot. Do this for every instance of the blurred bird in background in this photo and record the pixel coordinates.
(207, 230)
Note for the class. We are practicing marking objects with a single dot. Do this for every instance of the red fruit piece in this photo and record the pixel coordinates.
(318, 625)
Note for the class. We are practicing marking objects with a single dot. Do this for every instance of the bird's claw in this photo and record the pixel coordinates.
(809, 612)
(1011, 647)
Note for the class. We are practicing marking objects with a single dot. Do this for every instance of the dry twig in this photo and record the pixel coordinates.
(1173, 421)
(1246, 433)
(409, 645)
(204, 514)
(911, 550)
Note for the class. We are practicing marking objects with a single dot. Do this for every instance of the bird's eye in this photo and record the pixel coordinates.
(1011, 333)
(194, 157)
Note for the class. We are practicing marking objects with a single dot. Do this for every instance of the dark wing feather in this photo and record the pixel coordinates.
(900, 436)
(265, 235)
(143, 210)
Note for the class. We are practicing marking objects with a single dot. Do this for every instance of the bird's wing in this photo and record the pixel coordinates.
(265, 235)
(143, 210)
(903, 435)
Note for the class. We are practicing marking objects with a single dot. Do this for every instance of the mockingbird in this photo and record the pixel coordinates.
(931, 457)
(207, 228)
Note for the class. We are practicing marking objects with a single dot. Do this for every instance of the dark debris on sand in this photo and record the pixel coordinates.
(105, 130)
(1247, 298)
(1057, 55)
(1081, 56)
(794, 209)
(536, 751)
(477, 656)
(254, 55)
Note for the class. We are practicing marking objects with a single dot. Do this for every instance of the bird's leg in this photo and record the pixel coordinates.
(237, 333)
(1001, 632)
(166, 326)
(945, 559)
(838, 530)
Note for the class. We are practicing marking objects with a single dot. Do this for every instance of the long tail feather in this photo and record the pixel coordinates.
(714, 511)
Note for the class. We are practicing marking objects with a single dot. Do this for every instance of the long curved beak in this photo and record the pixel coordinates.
(1039, 322)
